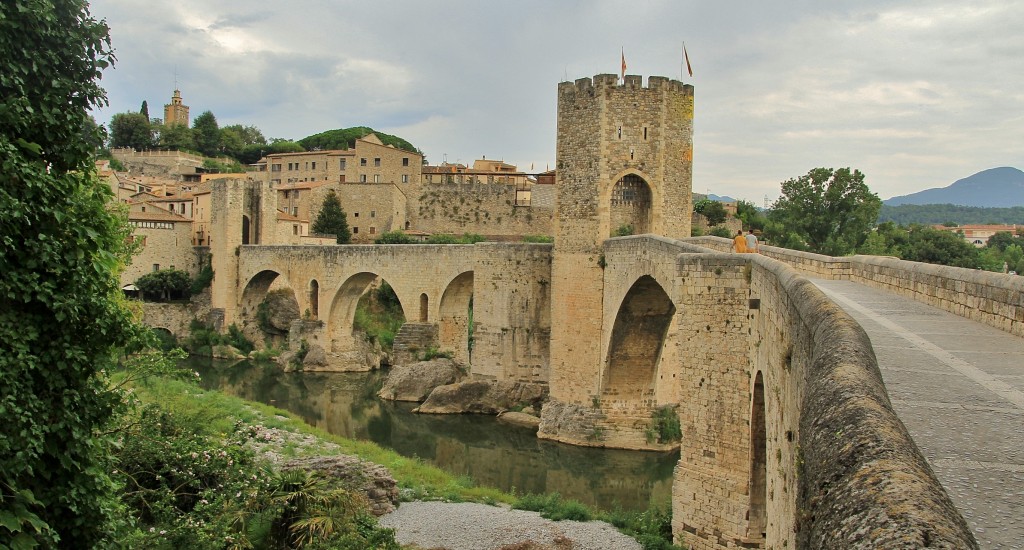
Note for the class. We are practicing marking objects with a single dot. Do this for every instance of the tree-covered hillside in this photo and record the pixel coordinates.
(345, 138)
(907, 214)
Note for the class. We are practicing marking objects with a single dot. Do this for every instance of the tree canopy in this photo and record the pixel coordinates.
(131, 130)
(906, 214)
(712, 210)
(829, 211)
(61, 314)
(206, 134)
(346, 138)
(332, 219)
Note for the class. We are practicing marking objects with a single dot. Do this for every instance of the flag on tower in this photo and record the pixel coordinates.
(687, 58)
(623, 65)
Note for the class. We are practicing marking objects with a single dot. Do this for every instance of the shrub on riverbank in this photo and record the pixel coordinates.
(191, 480)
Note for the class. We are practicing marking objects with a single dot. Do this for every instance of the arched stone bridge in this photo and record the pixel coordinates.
(789, 438)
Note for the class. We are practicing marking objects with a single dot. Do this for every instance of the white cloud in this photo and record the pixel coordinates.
(916, 93)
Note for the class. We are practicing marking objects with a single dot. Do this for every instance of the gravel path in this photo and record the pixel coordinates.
(470, 526)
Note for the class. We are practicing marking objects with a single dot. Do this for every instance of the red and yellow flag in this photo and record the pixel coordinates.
(623, 65)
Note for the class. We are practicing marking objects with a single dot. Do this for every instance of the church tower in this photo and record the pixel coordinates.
(175, 112)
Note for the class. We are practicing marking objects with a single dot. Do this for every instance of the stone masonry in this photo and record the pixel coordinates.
(789, 440)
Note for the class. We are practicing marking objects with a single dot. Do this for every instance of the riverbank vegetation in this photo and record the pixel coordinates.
(176, 418)
(379, 315)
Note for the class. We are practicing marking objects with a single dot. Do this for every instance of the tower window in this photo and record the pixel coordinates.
(645, 133)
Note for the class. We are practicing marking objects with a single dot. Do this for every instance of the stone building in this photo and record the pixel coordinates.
(369, 161)
(175, 112)
(164, 239)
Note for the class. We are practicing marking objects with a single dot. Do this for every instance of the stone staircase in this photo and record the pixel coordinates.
(413, 339)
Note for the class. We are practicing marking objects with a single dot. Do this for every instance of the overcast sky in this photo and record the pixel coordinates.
(914, 94)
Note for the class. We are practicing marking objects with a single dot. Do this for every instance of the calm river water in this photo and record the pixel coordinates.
(490, 452)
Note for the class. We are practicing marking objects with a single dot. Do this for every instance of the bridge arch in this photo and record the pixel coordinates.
(455, 317)
(629, 198)
(637, 339)
(341, 316)
(757, 513)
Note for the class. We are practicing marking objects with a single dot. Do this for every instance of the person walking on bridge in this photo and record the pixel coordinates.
(751, 241)
(739, 244)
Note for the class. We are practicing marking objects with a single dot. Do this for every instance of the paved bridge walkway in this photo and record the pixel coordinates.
(958, 386)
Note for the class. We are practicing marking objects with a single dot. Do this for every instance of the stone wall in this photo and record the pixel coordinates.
(157, 163)
(512, 312)
(995, 299)
(162, 248)
(484, 208)
(844, 472)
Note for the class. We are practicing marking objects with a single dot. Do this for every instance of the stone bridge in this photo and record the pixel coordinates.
(789, 438)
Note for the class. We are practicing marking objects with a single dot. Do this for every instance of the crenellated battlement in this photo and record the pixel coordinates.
(630, 82)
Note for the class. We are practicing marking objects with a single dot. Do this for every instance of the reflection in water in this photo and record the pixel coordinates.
(478, 446)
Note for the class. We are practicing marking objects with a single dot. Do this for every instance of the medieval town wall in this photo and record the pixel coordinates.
(488, 209)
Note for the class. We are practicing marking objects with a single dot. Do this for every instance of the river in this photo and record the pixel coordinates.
(492, 453)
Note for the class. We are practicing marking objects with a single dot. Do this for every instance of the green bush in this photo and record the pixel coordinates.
(394, 237)
(379, 315)
(551, 506)
(165, 284)
(433, 353)
(624, 230)
(664, 427)
(202, 338)
(721, 231)
(202, 280)
(651, 528)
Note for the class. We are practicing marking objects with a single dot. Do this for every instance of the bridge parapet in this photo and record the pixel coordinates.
(995, 299)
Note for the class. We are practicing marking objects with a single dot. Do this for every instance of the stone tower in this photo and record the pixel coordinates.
(175, 112)
(624, 160)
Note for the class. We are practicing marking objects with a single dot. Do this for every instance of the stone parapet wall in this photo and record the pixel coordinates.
(859, 479)
(995, 299)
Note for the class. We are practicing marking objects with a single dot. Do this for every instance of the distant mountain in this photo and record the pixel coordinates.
(996, 187)
(715, 197)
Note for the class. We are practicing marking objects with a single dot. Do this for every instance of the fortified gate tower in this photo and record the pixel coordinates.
(624, 166)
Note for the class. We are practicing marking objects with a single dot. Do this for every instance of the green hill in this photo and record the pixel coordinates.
(345, 138)
(906, 214)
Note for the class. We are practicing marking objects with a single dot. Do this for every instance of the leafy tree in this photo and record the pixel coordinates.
(165, 284)
(831, 211)
(130, 130)
(346, 138)
(206, 134)
(332, 219)
(177, 136)
(61, 314)
(1001, 240)
(934, 246)
(750, 215)
(715, 213)
(144, 111)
